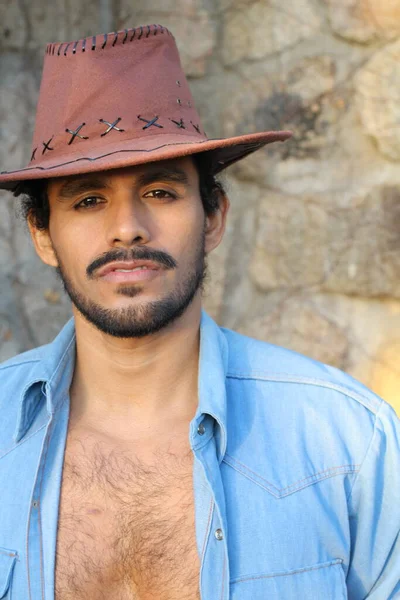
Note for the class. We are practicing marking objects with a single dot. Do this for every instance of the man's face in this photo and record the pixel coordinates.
(129, 244)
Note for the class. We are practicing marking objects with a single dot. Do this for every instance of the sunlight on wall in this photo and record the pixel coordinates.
(386, 375)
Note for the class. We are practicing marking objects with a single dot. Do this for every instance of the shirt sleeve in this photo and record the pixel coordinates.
(374, 511)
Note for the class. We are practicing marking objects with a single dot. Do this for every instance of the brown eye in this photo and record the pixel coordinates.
(89, 202)
(159, 194)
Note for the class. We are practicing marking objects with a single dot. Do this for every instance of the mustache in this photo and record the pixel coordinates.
(139, 253)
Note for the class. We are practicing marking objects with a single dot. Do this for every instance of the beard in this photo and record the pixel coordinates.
(145, 318)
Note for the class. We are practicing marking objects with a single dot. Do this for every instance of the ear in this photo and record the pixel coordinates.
(215, 224)
(43, 245)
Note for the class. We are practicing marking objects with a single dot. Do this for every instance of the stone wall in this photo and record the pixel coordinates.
(311, 258)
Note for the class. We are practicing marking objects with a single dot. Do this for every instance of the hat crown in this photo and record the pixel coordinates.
(128, 84)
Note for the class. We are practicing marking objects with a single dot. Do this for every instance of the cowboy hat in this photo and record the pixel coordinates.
(117, 100)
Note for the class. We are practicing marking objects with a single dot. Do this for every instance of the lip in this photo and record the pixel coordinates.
(110, 272)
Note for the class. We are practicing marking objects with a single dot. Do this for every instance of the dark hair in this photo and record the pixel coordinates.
(35, 203)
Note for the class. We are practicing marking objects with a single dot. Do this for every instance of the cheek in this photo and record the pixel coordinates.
(74, 245)
(185, 242)
(185, 229)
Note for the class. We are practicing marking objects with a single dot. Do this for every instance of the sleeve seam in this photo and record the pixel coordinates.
(374, 433)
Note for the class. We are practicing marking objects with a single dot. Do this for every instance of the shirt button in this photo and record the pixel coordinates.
(201, 429)
(219, 535)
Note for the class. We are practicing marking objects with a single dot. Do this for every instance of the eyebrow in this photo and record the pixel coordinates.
(167, 174)
(73, 188)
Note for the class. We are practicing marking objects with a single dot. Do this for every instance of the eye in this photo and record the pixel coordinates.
(159, 194)
(89, 202)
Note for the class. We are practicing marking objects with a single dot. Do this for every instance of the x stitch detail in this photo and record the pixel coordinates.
(76, 134)
(151, 122)
(179, 124)
(47, 145)
(111, 126)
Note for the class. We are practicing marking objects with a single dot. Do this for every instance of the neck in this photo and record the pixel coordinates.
(149, 381)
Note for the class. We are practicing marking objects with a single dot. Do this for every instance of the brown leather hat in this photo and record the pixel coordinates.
(118, 100)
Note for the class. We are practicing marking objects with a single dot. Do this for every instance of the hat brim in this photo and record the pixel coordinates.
(126, 153)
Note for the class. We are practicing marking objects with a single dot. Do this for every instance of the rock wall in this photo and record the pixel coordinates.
(311, 257)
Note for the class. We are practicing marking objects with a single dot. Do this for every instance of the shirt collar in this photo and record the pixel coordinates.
(54, 367)
(50, 376)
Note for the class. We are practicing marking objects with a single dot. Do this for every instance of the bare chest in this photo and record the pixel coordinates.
(126, 528)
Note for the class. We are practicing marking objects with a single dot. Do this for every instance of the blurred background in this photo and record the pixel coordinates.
(311, 257)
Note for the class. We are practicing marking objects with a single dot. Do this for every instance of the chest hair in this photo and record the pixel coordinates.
(126, 526)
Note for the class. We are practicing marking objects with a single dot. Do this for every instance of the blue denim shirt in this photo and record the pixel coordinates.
(296, 474)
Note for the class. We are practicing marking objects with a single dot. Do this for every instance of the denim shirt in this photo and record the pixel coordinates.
(296, 474)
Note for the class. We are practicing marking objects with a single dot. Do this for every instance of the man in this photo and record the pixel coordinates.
(147, 453)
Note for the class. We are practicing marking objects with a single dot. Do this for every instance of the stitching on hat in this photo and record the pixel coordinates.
(111, 126)
(91, 159)
(131, 150)
(143, 33)
(33, 157)
(197, 128)
(76, 134)
(179, 124)
(47, 145)
(151, 122)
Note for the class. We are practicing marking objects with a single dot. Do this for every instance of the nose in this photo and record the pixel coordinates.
(128, 223)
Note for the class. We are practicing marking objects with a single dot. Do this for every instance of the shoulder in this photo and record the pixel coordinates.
(255, 360)
(281, 403)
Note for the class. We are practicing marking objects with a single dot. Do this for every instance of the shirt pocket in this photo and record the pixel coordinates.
(323, 580)
(7, 561)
